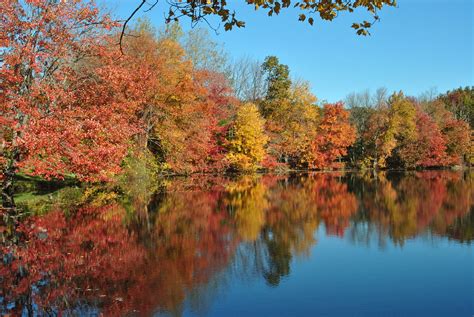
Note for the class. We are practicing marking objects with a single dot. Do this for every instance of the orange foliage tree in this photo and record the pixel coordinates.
(183, 107)
(335, 135)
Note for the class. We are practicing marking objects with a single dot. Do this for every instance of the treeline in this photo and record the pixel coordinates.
(72, 104)
(405, 132)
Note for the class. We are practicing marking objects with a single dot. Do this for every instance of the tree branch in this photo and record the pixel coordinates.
(128, 20)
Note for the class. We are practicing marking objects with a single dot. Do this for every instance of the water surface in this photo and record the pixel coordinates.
(323, 244)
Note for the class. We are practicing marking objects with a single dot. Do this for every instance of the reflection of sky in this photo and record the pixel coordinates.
(420, 45)
(329, 244)
(425, 277)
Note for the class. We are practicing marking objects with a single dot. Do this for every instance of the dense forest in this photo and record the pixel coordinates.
(73, 105)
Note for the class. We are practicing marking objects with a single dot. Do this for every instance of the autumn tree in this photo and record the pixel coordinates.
(428, 148)
(390, 127)
(402, 127)
(458, 138)
(248, 139)
(377, 144)
(335, 134)
(204, 52)
(51, 124)
(367, 116)
(290, 112)
(404, 132)
(276, 105)
(461, 103)
(301, 124)
(183, 106)
(456, 133)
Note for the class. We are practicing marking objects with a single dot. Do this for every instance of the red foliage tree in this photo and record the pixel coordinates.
(61, 113)
(428, 147)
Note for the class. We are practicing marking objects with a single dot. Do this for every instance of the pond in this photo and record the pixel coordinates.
(322, 244)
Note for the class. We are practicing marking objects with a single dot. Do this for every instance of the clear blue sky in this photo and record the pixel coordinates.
(419, 45)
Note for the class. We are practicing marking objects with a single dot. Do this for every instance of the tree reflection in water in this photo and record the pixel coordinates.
(150, 251)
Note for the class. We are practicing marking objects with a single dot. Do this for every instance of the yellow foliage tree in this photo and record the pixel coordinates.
(390, 128)
(247, 144)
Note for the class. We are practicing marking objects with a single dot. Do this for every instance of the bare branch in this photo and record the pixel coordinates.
(128, 20)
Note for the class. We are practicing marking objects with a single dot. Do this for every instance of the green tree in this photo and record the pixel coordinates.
(278, 82)
(290, 111)
(360, 119)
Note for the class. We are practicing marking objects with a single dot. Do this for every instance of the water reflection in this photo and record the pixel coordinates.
(152, 252)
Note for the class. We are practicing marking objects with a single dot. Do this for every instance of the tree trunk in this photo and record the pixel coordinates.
(7, 186)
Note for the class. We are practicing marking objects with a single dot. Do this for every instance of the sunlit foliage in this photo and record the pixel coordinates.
(334, 135)
(248, 140)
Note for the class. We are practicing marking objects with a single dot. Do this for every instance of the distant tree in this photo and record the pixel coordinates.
(172, 31)
(436, 109)
(247, 79)
(380, 97)
(360, 100)
(428, 95)
(461, 103)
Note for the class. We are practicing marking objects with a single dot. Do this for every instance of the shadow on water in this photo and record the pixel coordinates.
(146, 252)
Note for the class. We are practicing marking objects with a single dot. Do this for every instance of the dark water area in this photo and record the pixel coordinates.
(323, 244)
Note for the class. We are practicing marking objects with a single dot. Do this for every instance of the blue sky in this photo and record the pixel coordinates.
(419, 45)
